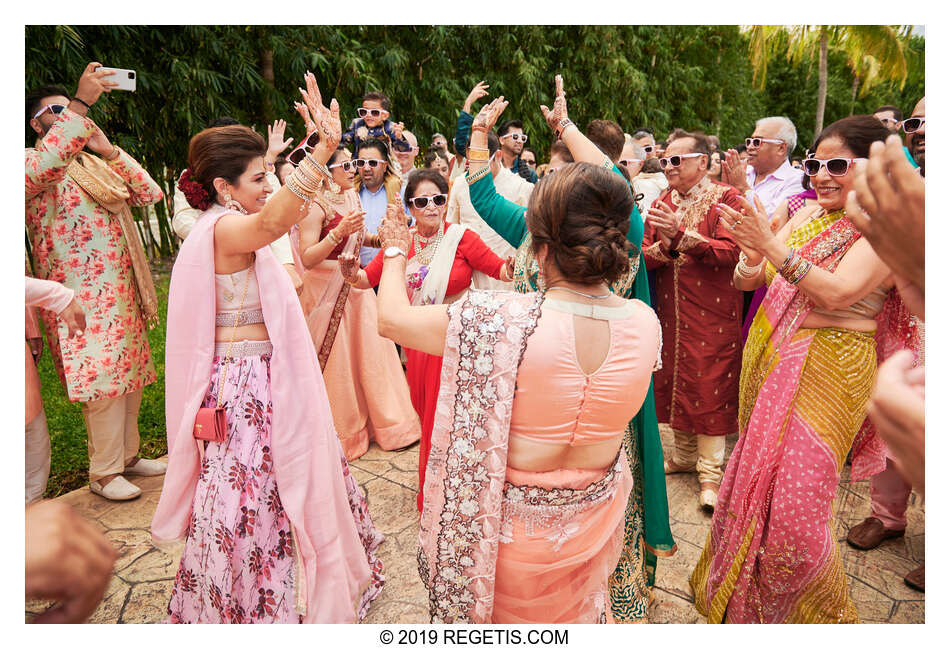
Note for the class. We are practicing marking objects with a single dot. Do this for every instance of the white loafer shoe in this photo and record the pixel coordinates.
(146, 467)
(118, 489)
(708, 495)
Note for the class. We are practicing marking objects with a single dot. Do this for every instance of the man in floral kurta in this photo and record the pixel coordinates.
(80, 244)
(697, 390)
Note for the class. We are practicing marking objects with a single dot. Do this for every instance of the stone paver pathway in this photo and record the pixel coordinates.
(143, 579)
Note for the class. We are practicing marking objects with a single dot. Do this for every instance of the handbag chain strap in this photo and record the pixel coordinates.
(237, 319)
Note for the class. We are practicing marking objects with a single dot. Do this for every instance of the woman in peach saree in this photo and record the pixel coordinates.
(364, 378)
(527, 481)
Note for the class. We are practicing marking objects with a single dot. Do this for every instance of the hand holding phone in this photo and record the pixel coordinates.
(123, 79)
(93, 83)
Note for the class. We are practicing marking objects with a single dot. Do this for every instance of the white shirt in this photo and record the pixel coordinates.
(777, 186)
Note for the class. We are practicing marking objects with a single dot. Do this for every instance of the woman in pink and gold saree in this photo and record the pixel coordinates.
(830, 315)
(365, 383)
(527, 480)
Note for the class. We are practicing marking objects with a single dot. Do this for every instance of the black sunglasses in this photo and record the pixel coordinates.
(297, 155)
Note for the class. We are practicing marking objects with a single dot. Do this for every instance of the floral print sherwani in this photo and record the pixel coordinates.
(80, 244)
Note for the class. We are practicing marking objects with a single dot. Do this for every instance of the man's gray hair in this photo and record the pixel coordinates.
(786, 131)
(642, 134)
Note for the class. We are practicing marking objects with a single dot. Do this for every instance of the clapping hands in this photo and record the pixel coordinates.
(394, 231)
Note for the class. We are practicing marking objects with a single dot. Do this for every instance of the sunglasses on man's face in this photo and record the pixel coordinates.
(422, 202)
(756, 142)
(297, 155)
(530, 163)
(913, 124)
(630, 162)
(888, 121)
(648, 148)
(372, 112)
(516, 137)
(677, 160)
(348, 165)
(404, 147)
(835, 166)
(372, 163)
(56, 109)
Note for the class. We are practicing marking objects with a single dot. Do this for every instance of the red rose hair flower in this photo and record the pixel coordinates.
(194, 193)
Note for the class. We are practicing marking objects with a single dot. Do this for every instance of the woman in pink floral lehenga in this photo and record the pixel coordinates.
(275, 527)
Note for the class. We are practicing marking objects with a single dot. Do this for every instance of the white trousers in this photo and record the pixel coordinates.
(37, 457)
(707, 452)
(113, 429)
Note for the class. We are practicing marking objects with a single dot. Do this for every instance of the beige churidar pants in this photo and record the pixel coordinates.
(707, 452)
(37, 457)
(113, 429)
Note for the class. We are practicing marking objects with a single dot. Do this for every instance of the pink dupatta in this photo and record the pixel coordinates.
(332, 567)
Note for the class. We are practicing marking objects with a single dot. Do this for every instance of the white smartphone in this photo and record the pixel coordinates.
(125, 78)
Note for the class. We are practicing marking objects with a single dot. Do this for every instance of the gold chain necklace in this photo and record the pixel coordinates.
(424, 253)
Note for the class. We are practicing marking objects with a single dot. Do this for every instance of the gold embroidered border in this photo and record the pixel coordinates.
(690, 239)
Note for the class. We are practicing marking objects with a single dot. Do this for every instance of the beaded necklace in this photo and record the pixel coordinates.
(424, 253)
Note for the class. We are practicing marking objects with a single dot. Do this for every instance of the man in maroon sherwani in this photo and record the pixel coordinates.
(700, 312)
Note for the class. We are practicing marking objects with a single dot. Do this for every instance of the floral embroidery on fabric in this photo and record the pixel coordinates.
(467, 521)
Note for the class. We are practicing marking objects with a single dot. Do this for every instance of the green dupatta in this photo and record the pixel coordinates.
(628, 587)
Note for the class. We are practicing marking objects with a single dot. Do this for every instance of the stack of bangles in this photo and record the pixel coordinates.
(477, 155)
(794, 268)
(743, 269)
(308, 179)
(334, 239)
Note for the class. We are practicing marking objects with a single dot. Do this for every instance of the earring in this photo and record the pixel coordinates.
(542, 285)
(232, 204)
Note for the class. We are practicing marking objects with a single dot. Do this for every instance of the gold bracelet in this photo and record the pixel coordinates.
(471, 179)
(334, 239)
(115, 153)
(477, 155)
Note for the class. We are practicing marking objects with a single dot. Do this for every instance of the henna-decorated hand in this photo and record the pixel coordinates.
(554, 117)
(394, 231)
(489, 114)
(349, 266)
(352, 222)
(326, 119)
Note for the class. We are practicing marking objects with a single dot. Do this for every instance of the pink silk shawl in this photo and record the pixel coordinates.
(461, 514)
(334, 570)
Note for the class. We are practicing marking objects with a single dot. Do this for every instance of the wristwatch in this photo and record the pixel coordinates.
(394, 251)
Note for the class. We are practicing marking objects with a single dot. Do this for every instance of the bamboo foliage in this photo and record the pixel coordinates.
(709, 77)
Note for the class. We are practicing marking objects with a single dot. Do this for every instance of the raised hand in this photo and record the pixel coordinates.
(275, 138)
(92, 83)
(480, 90)
(305, 114)
(559, 113)
(100, 144)
(664, 219)
(352, 222)
(489, 114)
(751, 228)
(734, 171)
(326, 119)
(394, 231)
(887, 206)
(349, 266)
(398, 129)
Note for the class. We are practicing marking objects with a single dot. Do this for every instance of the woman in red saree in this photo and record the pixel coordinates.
(441, 259)
(364, 378)
(527, 487)
(830, 315)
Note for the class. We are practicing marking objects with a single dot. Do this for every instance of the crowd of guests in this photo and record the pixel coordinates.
(329, 297)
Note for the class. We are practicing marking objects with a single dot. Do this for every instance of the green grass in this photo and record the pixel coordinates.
(69, 468)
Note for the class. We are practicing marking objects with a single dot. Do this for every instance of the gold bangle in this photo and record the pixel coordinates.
(477, 155)
(471, 179)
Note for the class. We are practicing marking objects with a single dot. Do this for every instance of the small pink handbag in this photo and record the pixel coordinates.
(210, 423)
